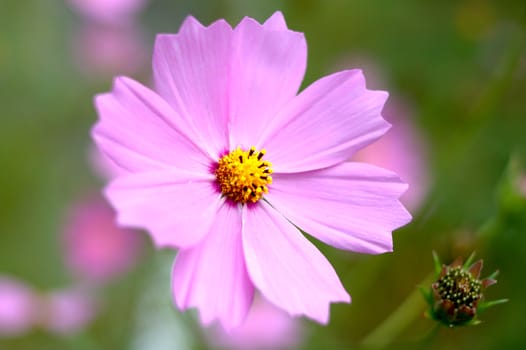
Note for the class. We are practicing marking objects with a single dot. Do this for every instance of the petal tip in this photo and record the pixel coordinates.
(247, 21)
(276, 22)
(406, 216)
(344, 298)
(178, 301)
(99, 100)
(190, 23)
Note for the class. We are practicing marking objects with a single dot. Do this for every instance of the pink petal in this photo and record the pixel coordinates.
(176, 207)
(103, 166)
(267, 67)
(276, 22)
(325, 124)
(212, 276)
(139, 131)
(350, 206)
(288, 270)
(191, 71)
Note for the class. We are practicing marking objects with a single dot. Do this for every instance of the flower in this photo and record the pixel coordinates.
(266, 327)
(457, 296)
(109, 11)
(67, 311)
(96, 249)
(224, 161)
(17, 303)
(101, 50)
(109, 41)
(62, 311)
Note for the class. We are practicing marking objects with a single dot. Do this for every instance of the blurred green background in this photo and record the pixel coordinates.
(460, 65)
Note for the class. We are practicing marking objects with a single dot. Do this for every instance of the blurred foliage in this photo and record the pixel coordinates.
(462, 66)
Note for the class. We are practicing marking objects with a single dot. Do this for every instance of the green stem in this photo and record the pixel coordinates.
(412, 308)
(428, 338)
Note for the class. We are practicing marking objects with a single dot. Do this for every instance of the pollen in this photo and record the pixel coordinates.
(460, 287)
(243, 176)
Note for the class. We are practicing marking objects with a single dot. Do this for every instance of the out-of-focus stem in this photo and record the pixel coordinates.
(412, 308)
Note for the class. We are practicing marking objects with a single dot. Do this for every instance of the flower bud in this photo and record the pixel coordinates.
(456, 297)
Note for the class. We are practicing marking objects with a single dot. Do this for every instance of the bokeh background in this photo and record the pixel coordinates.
(456, 73)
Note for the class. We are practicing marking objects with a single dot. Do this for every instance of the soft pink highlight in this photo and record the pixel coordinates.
(108, 10)
(265, 328)
(95, 248)
(17, 307)
(67, 311)
(105, 50)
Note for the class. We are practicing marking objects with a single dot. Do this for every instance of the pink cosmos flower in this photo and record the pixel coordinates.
(96, 249)
(67, 311)
(17, 305)
(21, 309)
(109, 42)
(108, 10)
(198, 153)
(403, 151)
(103, 50)
(266, 327)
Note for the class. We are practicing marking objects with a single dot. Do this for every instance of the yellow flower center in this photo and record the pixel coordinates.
(243, 176)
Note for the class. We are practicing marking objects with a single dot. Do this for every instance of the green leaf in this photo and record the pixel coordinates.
(486, 305)
(469, 261)
(438, 264)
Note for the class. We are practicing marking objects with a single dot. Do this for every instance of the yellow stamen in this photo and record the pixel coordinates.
(243, 176)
